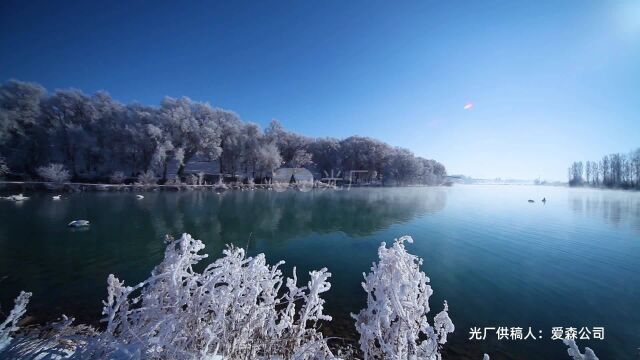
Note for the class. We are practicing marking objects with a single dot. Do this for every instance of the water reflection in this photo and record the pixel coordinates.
(234, 216)
(66, 270)
(492, 255)
(614, 207)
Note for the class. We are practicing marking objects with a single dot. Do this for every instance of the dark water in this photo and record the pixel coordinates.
(497, 259)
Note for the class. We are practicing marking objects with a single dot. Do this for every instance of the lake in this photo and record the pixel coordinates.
(498, 260)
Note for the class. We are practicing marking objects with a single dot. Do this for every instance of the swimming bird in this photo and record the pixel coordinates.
(140, 197)
(56, 197)
(18, 197)
(531, 201)
(79, 223)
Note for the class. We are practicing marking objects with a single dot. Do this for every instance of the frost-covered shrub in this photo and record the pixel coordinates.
(55, 173)
(220, 185)
(117, 177)
(394, 324)
(10, 324)
(192, 179)
(175, 181)
(196, 179)
(234, 307)
(147, 178)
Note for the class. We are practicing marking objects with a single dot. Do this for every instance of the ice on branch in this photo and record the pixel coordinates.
(10, 324)
(575, 354)
(394, 324)
(233, 308)
(147, 178)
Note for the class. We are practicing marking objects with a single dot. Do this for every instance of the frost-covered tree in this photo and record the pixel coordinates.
(292, 147)
(20, 119)
(94, 135)
(402, 166)
(69, 115)
(614, 170)
(251, 143)
(4, 169)
(326, 155)
(147, 178)
(301, 158)
(230, 127)
(268, 159)
(363, 153)
(394, 324)
(117, 177)
(55, 173)
(192, 128)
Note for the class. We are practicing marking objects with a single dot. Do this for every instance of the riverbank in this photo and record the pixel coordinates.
(79, 186)
(83, 186)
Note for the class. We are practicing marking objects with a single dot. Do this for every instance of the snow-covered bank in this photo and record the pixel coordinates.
(83, 186)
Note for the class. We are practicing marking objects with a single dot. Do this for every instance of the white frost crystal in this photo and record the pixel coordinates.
(10, 324)
(232, 308)
(394, 325)
(575, 354)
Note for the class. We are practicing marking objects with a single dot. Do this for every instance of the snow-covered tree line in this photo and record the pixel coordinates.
(94, 137)
(240, 307)
(614, 171)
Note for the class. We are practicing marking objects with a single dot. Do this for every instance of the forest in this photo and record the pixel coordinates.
(612, 171)
(67, 135)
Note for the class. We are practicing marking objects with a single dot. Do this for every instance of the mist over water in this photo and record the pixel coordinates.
(497, 259)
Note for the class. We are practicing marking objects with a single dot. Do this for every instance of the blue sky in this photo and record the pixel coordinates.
(551, 81)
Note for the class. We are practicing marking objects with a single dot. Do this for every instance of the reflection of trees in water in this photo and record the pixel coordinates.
(356, 213)
(125, 236)
(231, 217)
(616, 208)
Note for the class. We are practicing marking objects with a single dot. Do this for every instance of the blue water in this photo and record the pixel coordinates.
(497, 259)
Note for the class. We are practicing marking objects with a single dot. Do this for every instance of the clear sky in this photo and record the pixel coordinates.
(551, 81)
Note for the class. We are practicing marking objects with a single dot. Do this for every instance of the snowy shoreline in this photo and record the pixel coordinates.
(84, 186)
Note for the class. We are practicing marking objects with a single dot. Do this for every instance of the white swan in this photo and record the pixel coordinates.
(79, 223)
(140, 197)
(56, 197)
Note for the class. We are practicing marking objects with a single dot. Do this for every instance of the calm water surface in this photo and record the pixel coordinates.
(497, 259)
